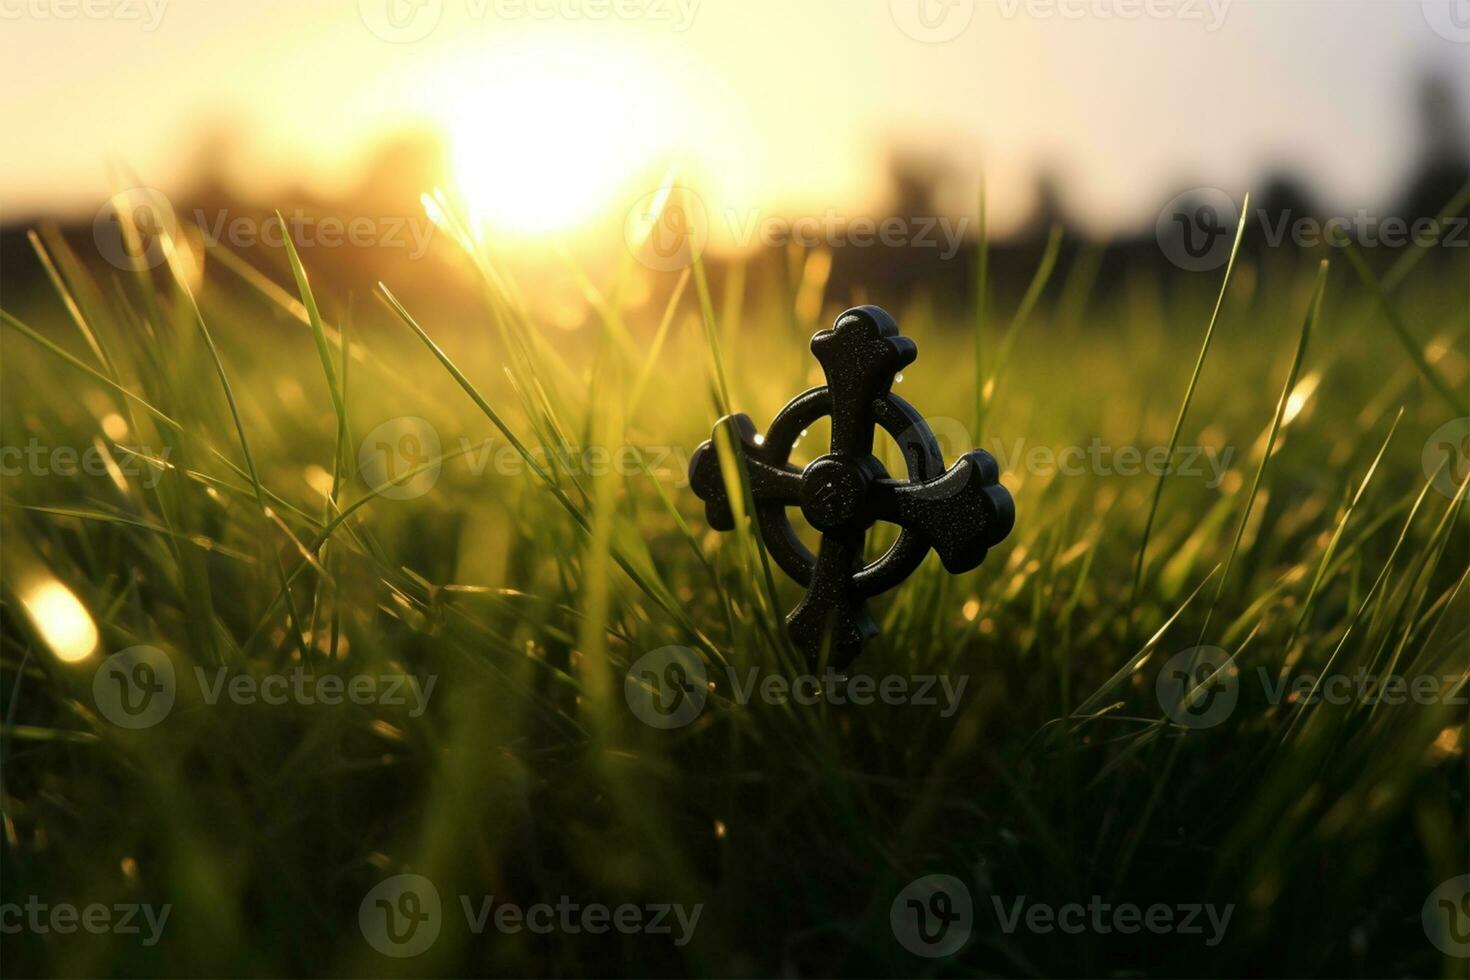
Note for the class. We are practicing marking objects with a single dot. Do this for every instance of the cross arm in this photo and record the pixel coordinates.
(961, 513)
(769, 483)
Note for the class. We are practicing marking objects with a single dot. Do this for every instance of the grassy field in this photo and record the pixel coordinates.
(257, 436)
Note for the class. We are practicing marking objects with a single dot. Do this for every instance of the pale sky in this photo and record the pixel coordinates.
(771, 103)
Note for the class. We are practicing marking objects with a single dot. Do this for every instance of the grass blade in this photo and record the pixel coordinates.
(1199, 364)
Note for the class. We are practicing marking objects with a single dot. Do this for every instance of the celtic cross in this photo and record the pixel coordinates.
(960, 512)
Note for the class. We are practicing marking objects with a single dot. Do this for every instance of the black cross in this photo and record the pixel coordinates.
(959, 512)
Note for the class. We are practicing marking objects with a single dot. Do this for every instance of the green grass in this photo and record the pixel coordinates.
(527, 587)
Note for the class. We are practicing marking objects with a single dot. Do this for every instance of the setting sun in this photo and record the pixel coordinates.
(541, 146)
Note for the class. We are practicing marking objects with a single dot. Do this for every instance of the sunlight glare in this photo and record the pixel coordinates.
(62, 620)
(1299, 397)
(544, 151)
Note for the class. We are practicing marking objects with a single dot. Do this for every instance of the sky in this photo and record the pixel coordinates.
(769, 105)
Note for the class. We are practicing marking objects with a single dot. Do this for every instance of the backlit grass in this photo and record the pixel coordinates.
(236, 529)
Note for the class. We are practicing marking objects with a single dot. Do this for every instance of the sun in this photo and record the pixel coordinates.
(540, 146)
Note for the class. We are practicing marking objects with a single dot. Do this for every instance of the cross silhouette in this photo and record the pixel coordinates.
(960, 512)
